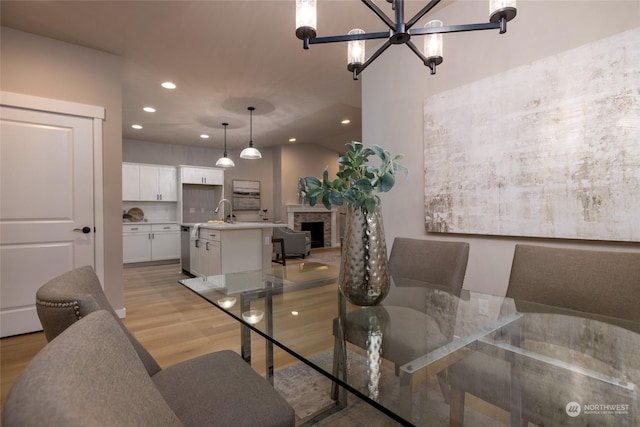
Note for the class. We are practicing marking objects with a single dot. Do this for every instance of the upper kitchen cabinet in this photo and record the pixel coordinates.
(130, 181)
(207, 176)
(159, 183)
(150, 183)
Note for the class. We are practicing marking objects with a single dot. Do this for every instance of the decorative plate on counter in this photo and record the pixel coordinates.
(135, 214)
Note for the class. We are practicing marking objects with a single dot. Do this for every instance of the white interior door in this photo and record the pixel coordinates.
(46, 207)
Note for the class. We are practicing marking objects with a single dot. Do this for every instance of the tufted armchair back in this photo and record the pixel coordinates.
(65, 299)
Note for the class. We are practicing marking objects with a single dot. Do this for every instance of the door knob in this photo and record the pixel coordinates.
(84, 229)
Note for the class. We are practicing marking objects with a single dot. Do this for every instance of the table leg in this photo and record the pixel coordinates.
(406, 394)
(268, 309)
(245, 332)
(516, 378)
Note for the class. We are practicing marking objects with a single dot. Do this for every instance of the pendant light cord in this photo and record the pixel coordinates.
(251, 126)
(225, 138)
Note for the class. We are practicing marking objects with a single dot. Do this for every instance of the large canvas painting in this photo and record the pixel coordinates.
(551, 149)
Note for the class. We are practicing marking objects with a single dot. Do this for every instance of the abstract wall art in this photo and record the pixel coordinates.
(246, 195)
(550, 149)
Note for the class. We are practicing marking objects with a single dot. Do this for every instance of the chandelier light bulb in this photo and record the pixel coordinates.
(502, 11)
(306, 18)
(355, 50)
(433, 42)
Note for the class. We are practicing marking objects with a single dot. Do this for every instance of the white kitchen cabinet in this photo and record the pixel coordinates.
(196, 175)
(194, 257)
(165, 241)
(150, 242)
(225, 251)
(136, 243)
(130, 182)
(158, 183)
(209, 252)
(149, 183)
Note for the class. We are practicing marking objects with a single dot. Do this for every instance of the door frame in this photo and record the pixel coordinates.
(29, 102)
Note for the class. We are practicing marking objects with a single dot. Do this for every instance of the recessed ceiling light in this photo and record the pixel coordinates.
(204, 136)
(136, 126)
(149, 109)
(345, 121)
(168, 85)
(292, 140)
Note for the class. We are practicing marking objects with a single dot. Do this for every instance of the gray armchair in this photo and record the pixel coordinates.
(91, 375)
(240, 395)
(296, 243)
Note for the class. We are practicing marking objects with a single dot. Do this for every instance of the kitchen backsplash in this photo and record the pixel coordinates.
(153, 211)
(199, 201)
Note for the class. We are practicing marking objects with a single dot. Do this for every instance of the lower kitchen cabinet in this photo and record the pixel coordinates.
(150, 242)
(228, 251)
(207, 262)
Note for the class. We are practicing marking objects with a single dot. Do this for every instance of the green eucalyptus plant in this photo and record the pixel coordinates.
(357, 182)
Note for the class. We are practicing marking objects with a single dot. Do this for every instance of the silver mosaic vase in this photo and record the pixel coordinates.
(364, 267)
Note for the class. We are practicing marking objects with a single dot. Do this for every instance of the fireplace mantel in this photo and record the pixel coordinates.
(293, 209)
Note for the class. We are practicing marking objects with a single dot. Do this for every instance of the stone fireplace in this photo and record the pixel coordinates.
(297, 215)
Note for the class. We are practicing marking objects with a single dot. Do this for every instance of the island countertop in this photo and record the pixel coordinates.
(238, 225)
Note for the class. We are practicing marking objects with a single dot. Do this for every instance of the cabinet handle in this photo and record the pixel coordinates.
(166, 228)
(207, 246)
(133, 229)
(197, 243)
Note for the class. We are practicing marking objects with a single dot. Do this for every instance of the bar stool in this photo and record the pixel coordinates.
(279, 240)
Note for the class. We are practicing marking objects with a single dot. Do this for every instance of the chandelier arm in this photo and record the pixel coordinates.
(420, 14)
(380, 13)
(455, 28)
(350, 37)
(377, 53)
(415, 50)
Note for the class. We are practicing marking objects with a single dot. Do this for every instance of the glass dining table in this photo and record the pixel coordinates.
(561, 367)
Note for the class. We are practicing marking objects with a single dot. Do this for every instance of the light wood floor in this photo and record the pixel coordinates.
(171, 322)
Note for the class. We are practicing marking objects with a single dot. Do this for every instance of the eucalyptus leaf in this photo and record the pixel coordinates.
(357, 181)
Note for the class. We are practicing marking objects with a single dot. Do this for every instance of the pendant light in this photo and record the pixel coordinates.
(250, 152)
(224, 161)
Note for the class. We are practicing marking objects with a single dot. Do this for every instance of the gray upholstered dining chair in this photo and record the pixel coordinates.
(605, 284)
(439, 263)
(193, 389)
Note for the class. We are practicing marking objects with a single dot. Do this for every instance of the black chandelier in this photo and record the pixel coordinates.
(400, 31)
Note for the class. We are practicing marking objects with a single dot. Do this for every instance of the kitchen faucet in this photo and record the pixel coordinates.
(230, 209)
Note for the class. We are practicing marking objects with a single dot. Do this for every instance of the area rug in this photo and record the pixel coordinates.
(327, 257)
(308, 391)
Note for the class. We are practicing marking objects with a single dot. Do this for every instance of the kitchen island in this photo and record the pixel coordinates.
(222, 248)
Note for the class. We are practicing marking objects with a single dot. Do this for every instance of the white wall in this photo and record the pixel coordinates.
(302, 160)
(49, 68)
(397, 83)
